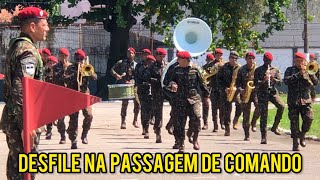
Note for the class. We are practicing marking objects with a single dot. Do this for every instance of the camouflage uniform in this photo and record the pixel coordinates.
(242, 80)
(144, 94)
(187, 102)
(48, 77)
(216, 98)
(58, 79)
(224, 79)
(70, 79)
(299, 101)
(22, 60)
(86, 112)
(205, 108)
(169, 95)
(265, 94)
(125, 66)
(155, 71)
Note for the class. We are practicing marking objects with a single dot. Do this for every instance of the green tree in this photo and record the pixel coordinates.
(236, 20)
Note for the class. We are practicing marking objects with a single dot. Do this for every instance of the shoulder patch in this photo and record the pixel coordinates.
(29, 65)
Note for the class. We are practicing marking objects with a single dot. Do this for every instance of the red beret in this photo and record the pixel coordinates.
(268, 55)
(46, 51)
(32, 12)
(80, 53)
(312, 55)
(184, 55)
(210, 56)
(53, 58)
(218, 51)
(151, 57)
(132, 50)
(250, 54)
(161, 51)
(300, 55)
(147, 51)
(64, 51)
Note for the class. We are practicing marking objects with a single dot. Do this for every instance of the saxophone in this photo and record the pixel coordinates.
(231, 91)
(250, 85)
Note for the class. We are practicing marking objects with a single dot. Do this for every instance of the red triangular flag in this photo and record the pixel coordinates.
(44, 103)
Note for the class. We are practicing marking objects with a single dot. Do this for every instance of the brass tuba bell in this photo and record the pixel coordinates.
(312, 68)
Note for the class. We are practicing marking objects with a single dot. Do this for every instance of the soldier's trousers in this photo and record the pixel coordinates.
(238, 112)
(306, 113)
(86, 125)
(146, 108)
(180, 113)
(215, 106)
(205, 112)
(263, 108)
(313, 92)
(61, 126)
(157, 107)
(246, 109)
(73, 127)
(49, 128)
(124, 107)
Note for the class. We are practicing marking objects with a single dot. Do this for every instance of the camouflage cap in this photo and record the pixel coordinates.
(234, 53)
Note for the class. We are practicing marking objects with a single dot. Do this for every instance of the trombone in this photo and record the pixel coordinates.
(84, 71)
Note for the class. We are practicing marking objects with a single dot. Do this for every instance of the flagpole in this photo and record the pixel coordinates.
(26, 120)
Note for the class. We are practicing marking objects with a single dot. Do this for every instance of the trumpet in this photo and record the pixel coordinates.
(84, 71)
(312, 68)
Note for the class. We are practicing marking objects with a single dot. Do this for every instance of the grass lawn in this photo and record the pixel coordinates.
(285, 122)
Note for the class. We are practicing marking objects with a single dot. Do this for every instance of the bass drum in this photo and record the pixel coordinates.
(121, 91)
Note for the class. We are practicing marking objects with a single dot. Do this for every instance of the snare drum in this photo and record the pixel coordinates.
(121, 91)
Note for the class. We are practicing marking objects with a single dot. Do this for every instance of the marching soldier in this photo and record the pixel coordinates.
(48, 77)
(79, 57)
(184, 82)
(265, 79)
(142, 81)
(247, 94)
(215, 95)
(58, 79)
(123, 71)
(226, 78)
(155, 71)
(205, 109)
(45, 53)
(22, 60)
(299, 99)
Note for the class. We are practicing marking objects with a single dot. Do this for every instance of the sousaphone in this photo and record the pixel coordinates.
(192, 35)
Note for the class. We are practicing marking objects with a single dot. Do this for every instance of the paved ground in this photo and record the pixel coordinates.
(106, 136)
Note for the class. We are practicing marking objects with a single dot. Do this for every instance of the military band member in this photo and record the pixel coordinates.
(265, 79)
(80, 58)
(215, 95)
(45, 53)
(185, 82)
(123, 71)
(22, 60)
(299, 99)
(246, 74)
(226, 78)
(154, 71)
(48, 77)
(205, 109)
(142, 81)
(58, 79)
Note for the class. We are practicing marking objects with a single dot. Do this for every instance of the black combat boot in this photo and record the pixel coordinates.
(123, 123)
(263, 137)
(205, 124)
(195, 141)
(303, 139)
(189, 135)
(63, 138)
(74, 144)
(84, 137)
(181, 148)
(275, 127)
(227, 130)
(215, 126)
(295, 144)
(247, 134)
(135, 121)
(146, 135)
